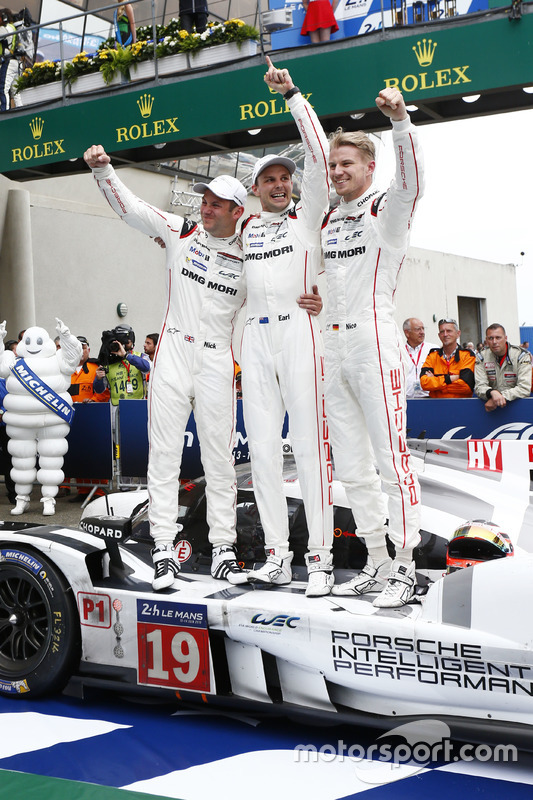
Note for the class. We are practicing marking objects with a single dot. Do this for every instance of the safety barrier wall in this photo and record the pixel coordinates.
(90, 453)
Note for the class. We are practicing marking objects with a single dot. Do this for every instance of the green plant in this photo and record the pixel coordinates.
(111, 58)
(170, 45)
(115, 60)
(40, 73)
(141, 51)
(233, 30)
(82, 64)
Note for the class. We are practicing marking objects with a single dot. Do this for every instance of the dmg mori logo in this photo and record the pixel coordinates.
(424, 52)
(431, 79)
(147, 130)
(36, 127)
(39, 149)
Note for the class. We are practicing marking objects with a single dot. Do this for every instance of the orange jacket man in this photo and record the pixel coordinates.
(81, 381)
(448, 371)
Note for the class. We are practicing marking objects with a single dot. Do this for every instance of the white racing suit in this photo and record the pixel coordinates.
(282, 351)
(364, 244)
(193, 364)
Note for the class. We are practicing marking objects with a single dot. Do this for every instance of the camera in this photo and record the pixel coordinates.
(108, 349)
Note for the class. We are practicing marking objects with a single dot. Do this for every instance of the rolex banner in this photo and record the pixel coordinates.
(444, 61)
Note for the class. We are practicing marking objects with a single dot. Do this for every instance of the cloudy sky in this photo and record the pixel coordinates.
(478, 200)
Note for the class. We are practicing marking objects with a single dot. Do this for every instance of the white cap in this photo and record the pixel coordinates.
(268, 161)
(226, 187)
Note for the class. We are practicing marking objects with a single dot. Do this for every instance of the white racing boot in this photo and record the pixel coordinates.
(276, 569)
(49, 506)
(23, 503)
(400, 586)
(320, 571)
(166, 566)
(224, 565)
(372, 578)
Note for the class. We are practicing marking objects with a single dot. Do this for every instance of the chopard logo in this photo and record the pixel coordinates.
(434, 79)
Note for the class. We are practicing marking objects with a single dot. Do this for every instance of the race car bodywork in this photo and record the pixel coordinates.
(77, 607)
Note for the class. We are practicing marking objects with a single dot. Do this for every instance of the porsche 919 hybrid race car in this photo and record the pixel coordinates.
(77, 607)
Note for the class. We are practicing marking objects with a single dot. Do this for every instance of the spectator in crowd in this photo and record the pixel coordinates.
(57, 342)
(81, 382)
(319, 21)
(479, 347)
(470, 346)
(417, 351)
(282, 352)
(525, 346)
(193, 15)
(4, 452)
(81, 390)
(365, 240)
(503, 370)
(124, 22)
(11, 344)
(21, 334)
(150, 344)
(449, 371)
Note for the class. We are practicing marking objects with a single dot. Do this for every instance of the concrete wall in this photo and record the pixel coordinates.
(84, 261)
(431, 282)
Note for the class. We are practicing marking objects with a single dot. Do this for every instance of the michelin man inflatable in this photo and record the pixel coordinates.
(38, 410)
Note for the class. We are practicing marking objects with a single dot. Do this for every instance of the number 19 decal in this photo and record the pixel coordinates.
(176, 656)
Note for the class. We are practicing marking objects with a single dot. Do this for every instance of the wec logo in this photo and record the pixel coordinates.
(278, 621)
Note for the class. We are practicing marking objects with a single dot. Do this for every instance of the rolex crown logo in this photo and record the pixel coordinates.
(36, 127)
(424, 52)
(145, 103)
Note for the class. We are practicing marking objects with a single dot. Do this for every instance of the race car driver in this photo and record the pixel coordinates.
(364, 240)
(282, 351)
(194, 359)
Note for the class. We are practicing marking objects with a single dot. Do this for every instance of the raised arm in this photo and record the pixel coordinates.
(138, 214)
(315, 184)
(396, 213)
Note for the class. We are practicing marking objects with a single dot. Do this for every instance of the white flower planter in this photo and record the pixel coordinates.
(221, 53)
(171, 64)
(92, 83)
(142, 71)
(41, 94)
(166, 66)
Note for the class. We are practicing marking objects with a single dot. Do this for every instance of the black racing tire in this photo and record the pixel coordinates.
(40, 637)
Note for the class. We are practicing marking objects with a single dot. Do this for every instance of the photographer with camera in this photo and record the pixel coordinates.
(120, 369)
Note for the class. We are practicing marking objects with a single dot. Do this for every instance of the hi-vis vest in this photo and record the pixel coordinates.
(118, 376)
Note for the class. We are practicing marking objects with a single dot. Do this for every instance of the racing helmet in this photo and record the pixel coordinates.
(474, 542)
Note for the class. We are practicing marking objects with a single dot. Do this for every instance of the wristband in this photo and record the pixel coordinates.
(488, 394)
(291, 93)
